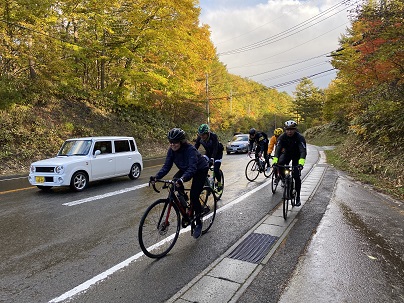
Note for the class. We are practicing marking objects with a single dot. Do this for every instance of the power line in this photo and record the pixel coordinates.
(287, 33)
(300, 79)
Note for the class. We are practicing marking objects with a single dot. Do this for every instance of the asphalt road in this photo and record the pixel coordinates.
(82, 247)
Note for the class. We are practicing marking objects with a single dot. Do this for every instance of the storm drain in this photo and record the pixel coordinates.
(254, 248)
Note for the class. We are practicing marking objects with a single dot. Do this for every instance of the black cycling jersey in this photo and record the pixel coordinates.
(213, 148)
(261, 140)
(294, 147)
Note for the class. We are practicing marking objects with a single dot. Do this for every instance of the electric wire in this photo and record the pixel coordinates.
(287, 33)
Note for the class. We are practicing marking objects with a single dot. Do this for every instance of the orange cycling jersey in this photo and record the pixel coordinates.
(272, 144)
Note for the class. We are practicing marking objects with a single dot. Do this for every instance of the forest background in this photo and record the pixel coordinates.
(138, 68)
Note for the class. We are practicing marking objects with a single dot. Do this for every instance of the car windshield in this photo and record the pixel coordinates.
(75, 148)
(240, 138)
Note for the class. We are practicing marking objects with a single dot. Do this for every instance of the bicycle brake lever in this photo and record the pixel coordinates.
(154, 187)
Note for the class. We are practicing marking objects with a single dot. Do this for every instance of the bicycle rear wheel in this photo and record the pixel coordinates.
(252, 170)
(286, 198)
(209, 205)
(159, 228)
(274, 184)
(268, 171)
(219, 194)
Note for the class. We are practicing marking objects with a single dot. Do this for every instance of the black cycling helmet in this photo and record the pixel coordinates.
(290, 124)
(176, 134)
(203, 129)
(252, 131)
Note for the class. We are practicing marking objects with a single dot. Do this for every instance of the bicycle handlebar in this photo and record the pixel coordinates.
(291, 167)
(166, 182)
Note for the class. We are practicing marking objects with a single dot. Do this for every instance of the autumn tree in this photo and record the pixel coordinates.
(309, 102)
(369, 84)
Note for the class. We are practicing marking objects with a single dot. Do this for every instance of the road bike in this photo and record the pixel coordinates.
(256, 166)
(160, 225)
(289, 191)
(212, 182)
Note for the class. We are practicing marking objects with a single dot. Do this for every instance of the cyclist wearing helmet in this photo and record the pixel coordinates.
(213, 150)
(261, 144)
(191, 165)
(291, 147)
(272, 142)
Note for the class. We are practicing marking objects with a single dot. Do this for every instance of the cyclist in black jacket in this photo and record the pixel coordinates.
(261, 144)
(213, 150)
(291, 146)
(191, 165)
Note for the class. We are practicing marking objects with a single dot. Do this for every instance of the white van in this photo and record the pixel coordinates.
(83, 160)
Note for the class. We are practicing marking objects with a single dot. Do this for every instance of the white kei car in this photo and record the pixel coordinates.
(83, 160)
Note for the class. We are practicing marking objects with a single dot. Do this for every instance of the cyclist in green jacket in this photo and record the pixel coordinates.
(291, 146)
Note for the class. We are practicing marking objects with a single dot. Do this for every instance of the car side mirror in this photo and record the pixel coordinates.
(97, 152)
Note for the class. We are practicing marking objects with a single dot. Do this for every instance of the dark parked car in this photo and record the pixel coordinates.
(239, 144)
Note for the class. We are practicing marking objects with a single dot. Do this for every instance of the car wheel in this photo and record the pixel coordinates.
(134, 171)
(228, 153)
(44, 188)
(79, 181)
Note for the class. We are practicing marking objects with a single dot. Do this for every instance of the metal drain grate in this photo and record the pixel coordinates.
(254, 248)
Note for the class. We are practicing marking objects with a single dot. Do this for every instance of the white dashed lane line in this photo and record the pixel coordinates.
(114, 193)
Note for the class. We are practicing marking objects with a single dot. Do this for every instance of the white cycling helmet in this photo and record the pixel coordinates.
(290, 124)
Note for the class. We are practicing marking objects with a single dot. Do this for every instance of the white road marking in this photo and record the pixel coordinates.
(102, 276)
(118, 192)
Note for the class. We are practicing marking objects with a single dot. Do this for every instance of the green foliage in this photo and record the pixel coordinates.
(9, 93)
(326, 134)
(370, 163)
(309, 102)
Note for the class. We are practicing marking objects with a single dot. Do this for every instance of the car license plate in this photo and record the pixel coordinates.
(39, 179)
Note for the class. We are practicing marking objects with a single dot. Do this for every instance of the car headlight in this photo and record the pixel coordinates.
(32, 169)
(59, 169)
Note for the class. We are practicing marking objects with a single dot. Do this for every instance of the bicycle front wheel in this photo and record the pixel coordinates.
(286, 198)
(209, 205)
(252, 170)
(159, 228)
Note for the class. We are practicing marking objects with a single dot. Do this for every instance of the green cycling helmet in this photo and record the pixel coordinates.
(203, 129)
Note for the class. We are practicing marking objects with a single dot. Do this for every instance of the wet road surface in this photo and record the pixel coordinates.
(346, 246)
(355, 254)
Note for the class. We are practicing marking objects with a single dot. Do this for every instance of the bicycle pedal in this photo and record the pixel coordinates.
(185, 222)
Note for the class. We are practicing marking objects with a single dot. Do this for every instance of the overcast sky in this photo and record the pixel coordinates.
(274, 42)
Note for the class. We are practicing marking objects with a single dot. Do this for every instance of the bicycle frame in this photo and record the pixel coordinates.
(288, 190)
(173, 198)
(161, 222)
